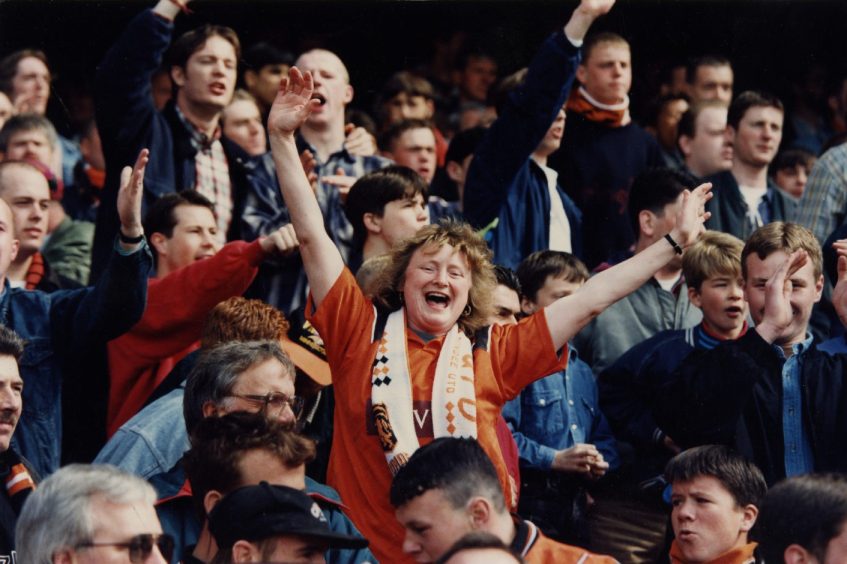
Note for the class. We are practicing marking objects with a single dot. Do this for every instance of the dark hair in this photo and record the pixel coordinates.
(808, 510)
(782, 236)
(507, 277)
(403, 82)
(262, 54)
(457, 467)
(474, 540)
(191, 41)
(656, 106)
(534, 270)
(27, 122)
(396, 129)
(463, 144)
(9, 67)
(160, 216)
(374, 190)
(473, 49)
(595, 39)
(791, 158)
(739, 476)
(218, 369)
(652, 190)
(218, 443)
(704, 61)
(750, 99)
(10, 343)
(688, 122)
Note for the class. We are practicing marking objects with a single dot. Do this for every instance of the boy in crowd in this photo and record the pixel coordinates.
(715, 494)
(771, 393)
(563, 439)
(450, 488)
(712, 270)
(790, 172)
(385, 207)
(804, 520)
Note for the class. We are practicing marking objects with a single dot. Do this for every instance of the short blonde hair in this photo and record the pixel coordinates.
(714, 254)
(786, 237)
(388, 288)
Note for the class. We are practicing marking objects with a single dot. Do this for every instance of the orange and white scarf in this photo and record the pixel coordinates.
(453, 392)
(611, 115)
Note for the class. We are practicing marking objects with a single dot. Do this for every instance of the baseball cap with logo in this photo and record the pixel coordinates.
(255, 513)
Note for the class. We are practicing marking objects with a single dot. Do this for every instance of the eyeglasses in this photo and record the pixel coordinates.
(274, 403)
(140, 546)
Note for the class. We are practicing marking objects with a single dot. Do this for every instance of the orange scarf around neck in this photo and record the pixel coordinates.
(581, 102)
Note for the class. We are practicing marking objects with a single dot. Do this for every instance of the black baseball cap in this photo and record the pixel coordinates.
(255, 513)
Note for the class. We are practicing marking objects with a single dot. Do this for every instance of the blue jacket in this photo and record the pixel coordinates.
(557, 412)
(62, 330)
(178, 516)
(128, 122)
(503, 183)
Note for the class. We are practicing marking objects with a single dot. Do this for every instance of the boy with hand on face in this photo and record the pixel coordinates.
(771, 393)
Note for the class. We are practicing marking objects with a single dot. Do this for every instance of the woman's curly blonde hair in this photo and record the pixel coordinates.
(388, 287)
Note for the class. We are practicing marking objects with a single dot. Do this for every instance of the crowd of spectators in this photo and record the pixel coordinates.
(490, 319)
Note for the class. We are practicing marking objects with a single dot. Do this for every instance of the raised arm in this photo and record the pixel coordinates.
(526, 116)
(566, 316)
(321, 258)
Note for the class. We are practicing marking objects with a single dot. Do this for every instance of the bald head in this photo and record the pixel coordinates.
(322, 58)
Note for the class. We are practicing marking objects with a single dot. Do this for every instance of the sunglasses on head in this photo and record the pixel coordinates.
(140, 546)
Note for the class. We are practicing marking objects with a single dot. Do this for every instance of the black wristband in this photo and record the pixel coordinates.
(130, 240)
(674, 244)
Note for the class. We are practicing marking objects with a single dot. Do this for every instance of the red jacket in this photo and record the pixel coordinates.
(170, 328)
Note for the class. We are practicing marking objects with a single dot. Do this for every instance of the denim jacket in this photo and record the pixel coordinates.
(63, 329)
(557, 412)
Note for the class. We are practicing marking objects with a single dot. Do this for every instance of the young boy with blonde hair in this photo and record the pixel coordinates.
(712, 271)
(771, 393)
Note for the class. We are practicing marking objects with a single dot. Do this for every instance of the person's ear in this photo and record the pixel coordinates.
(684, 143)
(455, 171)
(751, 512)
(819, 288)
(250, 78)
(528, 306)
(430, 108)
(348, 94)
(210, 409)
(372, 222)
(63, 556)
(211, 500)
(796, 554)
(178, 75)
(159, 242)
(479, 513)
(581, 74)
(16, 245)
(694, 297)
(646, 222)
(244, 551)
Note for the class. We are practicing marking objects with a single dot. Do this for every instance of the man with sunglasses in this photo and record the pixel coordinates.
(92, 514)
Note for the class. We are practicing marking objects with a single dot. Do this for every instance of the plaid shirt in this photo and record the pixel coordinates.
(823, 205)
(212, 172)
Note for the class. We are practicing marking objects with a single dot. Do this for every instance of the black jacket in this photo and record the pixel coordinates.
(732, 395)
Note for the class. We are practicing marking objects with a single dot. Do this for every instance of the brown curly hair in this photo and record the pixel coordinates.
(388, 287)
